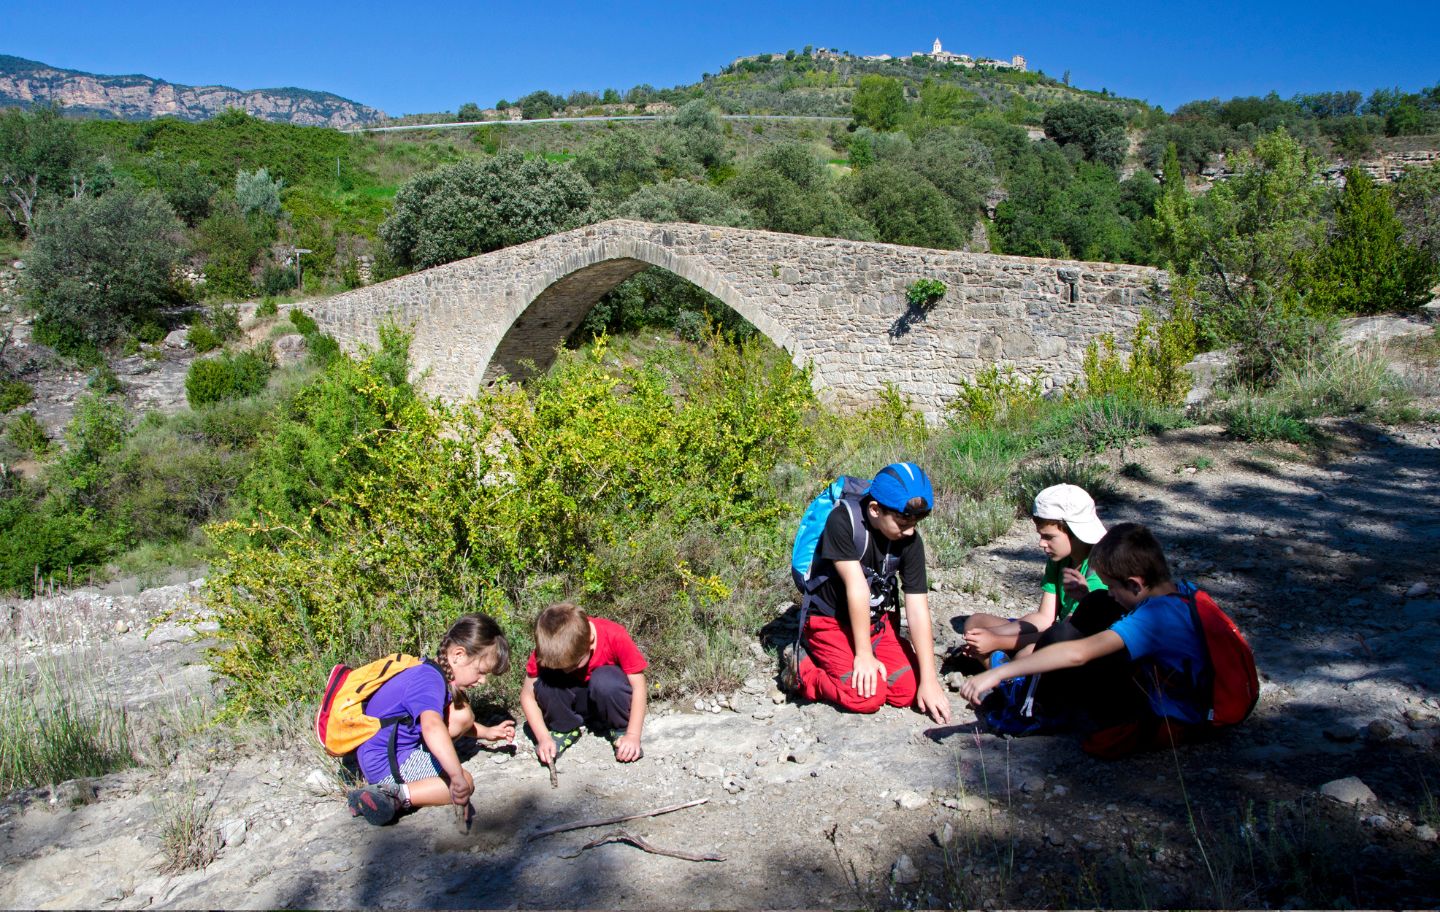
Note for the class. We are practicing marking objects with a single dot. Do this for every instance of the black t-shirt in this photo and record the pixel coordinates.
(837, 543)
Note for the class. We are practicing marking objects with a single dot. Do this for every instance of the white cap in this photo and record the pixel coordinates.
(1074, 507)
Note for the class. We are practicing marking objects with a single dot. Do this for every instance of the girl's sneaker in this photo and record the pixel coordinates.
(377, 806)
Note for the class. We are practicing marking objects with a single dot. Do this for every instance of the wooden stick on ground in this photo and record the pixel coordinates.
(637, 842)
(554, 776)
(583, 824)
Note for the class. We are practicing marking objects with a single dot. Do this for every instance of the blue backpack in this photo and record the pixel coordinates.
(810, 572)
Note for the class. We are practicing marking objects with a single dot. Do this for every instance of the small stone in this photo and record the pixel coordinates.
(700, 705)
(1418, 590)
(1059, 791)
(777, 696)
(714, 707)
(232, 832)
(1379, 822)
(1032, 786)
(1055, 839)
(945, 835)
(763, 714)
(954, 680)
(1349, 790)
(1425, 833)
(798, 757)
(122, 626)
(910, 801)
(179, 338)
(707, 770)
(1421, 740)
(904, 871)
(1380, 731)
(734, 786)
(1341, 733)
(971, 803)
(500, 757)
(320, 782)
(73, 793)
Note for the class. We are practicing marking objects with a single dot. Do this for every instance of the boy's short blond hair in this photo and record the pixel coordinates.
(562, 637)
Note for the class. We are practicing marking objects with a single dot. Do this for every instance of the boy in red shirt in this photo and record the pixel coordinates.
(583, 670)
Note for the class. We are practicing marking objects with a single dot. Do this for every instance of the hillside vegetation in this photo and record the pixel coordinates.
(319, 487)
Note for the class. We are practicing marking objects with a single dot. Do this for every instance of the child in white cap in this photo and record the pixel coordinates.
(1067, 525)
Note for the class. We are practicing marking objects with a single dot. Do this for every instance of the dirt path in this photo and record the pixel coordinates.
(814, 808)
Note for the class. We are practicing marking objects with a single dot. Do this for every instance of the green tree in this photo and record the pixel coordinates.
(1417, 205)
(905, 208)
(787, 189)
(618, 164)
(681, 200)
(702, 134)
(1244, 245)
(469, 112)
(257, 193)
(878, 103)
(1365, 265)
(959, 165)
(1099, 131)
(40, 156)
(101, 267)
(475, 207)
(945, 102)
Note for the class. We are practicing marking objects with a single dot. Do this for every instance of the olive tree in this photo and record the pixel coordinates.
(99, 267)
(474, 207)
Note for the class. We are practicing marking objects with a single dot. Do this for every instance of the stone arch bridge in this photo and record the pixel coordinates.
(838, 305)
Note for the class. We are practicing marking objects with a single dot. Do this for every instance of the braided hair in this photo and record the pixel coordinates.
(476, 634)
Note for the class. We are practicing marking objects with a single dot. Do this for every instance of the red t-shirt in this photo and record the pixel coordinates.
(613, 646)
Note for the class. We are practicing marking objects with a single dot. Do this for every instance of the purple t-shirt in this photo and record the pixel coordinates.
(410, 692)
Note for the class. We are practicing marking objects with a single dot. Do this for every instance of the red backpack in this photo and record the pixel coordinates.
(1234, 685)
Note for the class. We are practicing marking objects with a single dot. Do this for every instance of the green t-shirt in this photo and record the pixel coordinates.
(1065, 604)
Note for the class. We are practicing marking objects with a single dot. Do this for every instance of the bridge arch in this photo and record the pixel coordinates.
(545, 310)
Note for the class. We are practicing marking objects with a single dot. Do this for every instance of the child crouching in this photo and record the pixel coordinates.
(411, 762)
(583, 670)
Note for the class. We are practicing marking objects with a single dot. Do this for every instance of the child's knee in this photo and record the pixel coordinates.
(900, 687)
(609, 681)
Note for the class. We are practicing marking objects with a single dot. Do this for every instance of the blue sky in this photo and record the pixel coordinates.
(433, 56)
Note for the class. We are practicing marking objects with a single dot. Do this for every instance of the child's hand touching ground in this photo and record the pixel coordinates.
(505, 731)
(627, 748)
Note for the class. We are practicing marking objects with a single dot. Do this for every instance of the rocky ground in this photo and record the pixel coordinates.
(1328, 564)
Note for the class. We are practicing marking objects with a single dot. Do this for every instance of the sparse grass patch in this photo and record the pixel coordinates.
(25, 433)
(52, 728)
(189, 839)
(13, 394)
(1088, 474)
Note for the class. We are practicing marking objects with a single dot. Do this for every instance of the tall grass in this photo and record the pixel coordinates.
(54, 727)
(1329, 383)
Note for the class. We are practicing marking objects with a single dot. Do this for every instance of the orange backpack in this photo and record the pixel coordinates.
(342, 724)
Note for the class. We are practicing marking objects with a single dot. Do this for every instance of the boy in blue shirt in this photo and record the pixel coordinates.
(1154, 645)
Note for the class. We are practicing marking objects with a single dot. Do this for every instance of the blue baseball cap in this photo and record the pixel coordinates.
(900, 482)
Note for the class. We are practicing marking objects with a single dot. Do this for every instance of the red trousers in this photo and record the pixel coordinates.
(825, 673)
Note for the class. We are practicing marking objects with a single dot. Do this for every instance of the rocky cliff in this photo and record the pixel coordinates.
(27, 83)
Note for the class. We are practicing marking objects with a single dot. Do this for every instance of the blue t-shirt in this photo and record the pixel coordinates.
(1162, 640)
(410, 692)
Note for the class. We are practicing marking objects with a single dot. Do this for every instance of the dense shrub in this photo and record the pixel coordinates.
(608, 480)
(13, 394)
(1154, 371)
(100, 267)
(475, 207)
(212, 380)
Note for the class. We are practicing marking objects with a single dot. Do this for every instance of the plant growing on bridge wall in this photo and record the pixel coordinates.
(925, 293)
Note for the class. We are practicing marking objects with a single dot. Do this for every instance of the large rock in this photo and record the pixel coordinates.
(1349, 790)
(289, 349)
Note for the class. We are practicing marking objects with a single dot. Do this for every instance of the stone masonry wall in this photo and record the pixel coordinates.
(839, 305)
